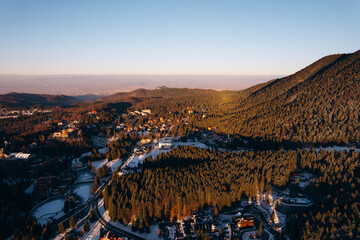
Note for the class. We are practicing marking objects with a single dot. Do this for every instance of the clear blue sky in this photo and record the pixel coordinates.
(173, 37)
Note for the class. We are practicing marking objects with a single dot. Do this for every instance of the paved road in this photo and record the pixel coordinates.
(93, 233)
(92, 202)
(113, 228)
(267, 226)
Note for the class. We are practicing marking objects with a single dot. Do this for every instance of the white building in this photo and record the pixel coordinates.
(165, 144)
(146, 111)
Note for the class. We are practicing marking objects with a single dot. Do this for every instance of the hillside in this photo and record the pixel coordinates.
(27, 99)
(161, 92)
(318, 104)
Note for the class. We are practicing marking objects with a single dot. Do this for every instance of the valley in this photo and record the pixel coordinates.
(279, 160)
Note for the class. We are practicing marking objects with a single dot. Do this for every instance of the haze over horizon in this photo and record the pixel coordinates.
(109, 84)
(88, 47)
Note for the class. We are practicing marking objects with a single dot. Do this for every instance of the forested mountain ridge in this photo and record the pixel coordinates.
(160, 92)
(28, 99)
(318, 104)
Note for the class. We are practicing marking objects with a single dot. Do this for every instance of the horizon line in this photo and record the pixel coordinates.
(145, 74)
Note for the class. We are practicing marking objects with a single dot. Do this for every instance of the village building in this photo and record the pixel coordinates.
(43, 187)
(76, 163)
(165, 144)
(20, 156)
(146, 111)
(243, 220)
(145, 141)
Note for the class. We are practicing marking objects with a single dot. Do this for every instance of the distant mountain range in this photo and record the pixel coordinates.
(160, 92)
(318, 104)
(27, 99)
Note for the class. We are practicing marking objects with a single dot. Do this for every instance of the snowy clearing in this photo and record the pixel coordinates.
(49, 210)
(102, 150)
(85, 176)
(83, 190)
(99, 163)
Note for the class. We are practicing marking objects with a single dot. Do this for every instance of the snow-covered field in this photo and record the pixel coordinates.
(49, 210)
(85, 176)
(102, 150)
(114, 164)
(83, 190)
(99, 163)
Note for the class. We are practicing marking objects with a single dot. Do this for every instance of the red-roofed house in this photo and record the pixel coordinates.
(43, 187)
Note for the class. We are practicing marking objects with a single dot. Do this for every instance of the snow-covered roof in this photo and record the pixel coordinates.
(20, 155)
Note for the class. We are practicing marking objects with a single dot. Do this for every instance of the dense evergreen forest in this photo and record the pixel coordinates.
(317, 105)
(187, 179)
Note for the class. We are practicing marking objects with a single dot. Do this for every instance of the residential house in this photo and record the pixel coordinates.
(245, 221)
(165, 144)
(43, 187)
(146, 111)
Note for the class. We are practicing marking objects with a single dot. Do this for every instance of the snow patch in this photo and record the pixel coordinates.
(99, 163)
(49, 210)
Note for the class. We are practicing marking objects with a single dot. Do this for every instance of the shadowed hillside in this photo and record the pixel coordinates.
(27, 99)
(319, 104)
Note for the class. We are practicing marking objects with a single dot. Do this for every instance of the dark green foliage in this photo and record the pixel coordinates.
(72, 221)
(28, 229)
(193, 178)
(187, 179)
(13, 202)
(61, 227)
(92, 215)
(336, 197)
(96, 185)
(86, 226)
(260, 230)
(103, 171)
(315, 105)
(118, 148)
(94, 156)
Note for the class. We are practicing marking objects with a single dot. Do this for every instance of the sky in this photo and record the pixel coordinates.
(187, 37)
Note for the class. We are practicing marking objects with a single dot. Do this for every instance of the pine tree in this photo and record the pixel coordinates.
(61, 227)
(92, 215)
(112, 211)
(141, 227)
(86, 226)
(72, 221)
(260, 230)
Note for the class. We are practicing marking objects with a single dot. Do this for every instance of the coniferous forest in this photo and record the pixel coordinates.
(256, 141)
(188, 179)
